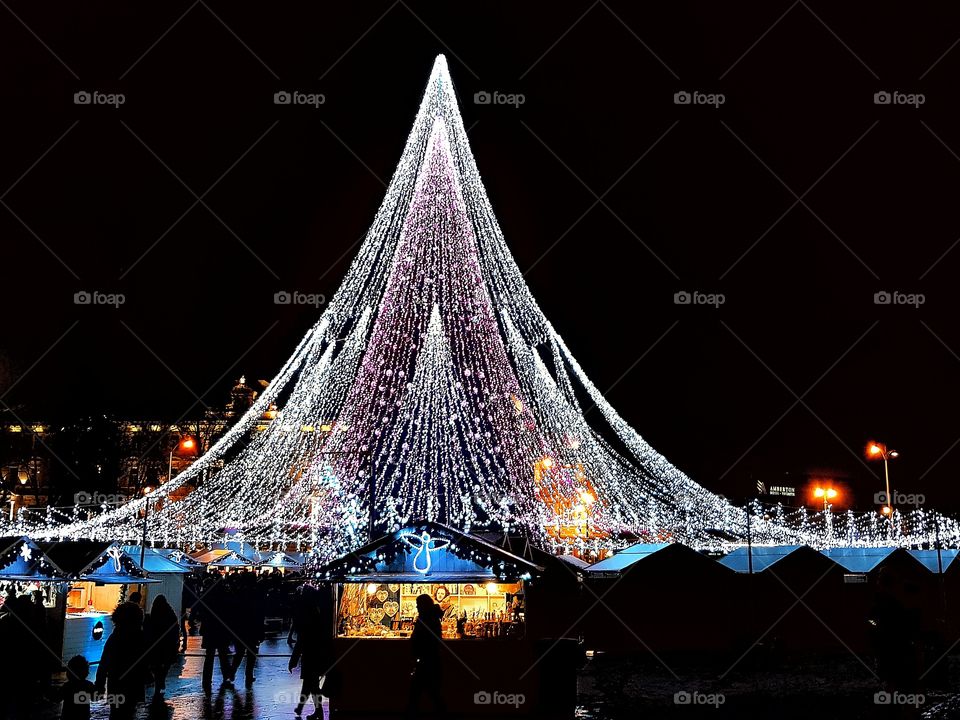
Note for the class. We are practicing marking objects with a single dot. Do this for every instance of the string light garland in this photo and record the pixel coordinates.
(434, 388)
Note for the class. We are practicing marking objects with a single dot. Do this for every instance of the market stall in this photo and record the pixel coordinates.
(490, 665)
(168, 573)
(97, 575)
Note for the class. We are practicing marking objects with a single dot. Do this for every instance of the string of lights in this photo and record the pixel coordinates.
(434, 388)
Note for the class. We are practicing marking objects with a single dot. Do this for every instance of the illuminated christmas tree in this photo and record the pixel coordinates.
(434, 388)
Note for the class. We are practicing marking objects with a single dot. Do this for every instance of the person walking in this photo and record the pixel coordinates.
(122, 669)
(313, 649)
(215, 633)
(162, 630)
(248, 631)
(426, 642)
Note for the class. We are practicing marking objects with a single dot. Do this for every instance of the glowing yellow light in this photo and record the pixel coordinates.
(547, 462)
(831, 493)
(326, 428)
(371, 589)
(874, 449)
(491, 588)
(187, 443)
(307, 428)
(885, 510)
(819, 492)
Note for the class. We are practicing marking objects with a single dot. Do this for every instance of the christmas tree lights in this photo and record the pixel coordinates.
(434, 388)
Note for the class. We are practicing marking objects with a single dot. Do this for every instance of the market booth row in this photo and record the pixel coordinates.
(489, 659)
(659, 598)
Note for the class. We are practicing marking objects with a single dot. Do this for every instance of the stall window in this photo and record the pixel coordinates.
(481, 609)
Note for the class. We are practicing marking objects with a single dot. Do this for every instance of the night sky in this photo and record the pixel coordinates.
(798, 199)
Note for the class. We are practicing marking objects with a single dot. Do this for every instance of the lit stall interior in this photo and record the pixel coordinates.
(470, 609)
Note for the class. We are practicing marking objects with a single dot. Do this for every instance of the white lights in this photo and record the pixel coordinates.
(434, 388)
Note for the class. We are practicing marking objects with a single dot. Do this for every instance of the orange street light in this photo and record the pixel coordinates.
(826, 494)
(878, 451)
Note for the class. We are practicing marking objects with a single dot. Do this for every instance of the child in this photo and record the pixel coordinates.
(77, 693)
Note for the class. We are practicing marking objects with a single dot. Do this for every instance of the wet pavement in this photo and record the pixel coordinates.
(836, 688)
(273, 695)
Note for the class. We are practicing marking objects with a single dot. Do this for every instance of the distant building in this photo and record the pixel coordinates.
(141, 453)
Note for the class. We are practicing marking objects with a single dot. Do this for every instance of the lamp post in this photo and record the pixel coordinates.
(187, 443)
(877, 451)
(827, 494)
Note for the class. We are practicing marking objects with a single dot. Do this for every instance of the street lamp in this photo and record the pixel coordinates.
(826, 493)
(878, 451)
(188, 443)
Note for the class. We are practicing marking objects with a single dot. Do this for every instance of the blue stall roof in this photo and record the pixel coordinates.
(22, 559)
(279, 559)
(155, 560)
(928, 558)
(763, 556)
(859, 560)
(428, 551)
(627, 557)
(101, 562)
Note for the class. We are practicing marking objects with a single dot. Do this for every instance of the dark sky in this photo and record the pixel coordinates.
(694, 198)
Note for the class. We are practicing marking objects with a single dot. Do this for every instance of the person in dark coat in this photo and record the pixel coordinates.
(426, 642)
(249, 621)
(162, 630)
(313, 649)
(212, 608)
(122, 671)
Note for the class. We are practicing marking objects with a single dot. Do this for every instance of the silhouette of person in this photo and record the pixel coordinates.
(426, 642)
(248, 630)
(77, 692)
(313, 650)
(162, 632)
(215, 633)
(122, 668)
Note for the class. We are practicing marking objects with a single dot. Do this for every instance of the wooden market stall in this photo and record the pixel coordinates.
(168, 573)
(97, 575)
(490, 661)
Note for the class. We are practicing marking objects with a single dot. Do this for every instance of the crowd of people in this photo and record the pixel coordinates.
(229, 613)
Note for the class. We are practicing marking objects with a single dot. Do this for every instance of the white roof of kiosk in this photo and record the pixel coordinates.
(156, 560)
(104, 563)
(22, 559)
(428, 552)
